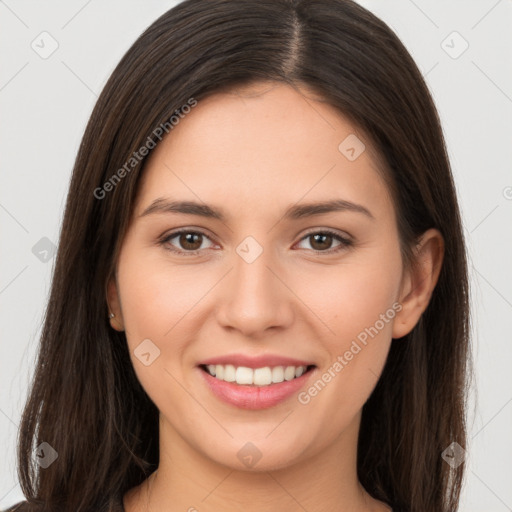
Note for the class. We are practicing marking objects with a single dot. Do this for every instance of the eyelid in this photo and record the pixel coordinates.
(330, 231)
(164, 240)
(345, 240)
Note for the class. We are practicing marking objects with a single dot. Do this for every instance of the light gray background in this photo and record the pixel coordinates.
(46, 103)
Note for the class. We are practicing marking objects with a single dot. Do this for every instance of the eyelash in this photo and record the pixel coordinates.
(344, 242)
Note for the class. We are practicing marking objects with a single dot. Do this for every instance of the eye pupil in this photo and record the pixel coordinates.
(321, 237)
(187, 239)
(191, 241)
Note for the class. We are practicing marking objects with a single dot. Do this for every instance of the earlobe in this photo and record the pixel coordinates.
(419, 282)
(114, 306)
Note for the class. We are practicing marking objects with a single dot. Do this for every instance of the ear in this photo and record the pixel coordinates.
(419, 282)
(114, 305)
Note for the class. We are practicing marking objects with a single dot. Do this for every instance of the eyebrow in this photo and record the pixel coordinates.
(294, 212)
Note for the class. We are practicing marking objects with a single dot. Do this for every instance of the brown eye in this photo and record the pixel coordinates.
(322, 241)
(190, 241)
(186, 242)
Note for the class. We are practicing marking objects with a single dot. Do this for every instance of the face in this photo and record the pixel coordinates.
(255, 277)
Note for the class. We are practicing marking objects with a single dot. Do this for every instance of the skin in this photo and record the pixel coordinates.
(253, 153)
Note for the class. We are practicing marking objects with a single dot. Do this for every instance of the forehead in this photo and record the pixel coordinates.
(267, 142)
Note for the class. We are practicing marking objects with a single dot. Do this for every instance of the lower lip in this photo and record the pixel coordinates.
(254, 397)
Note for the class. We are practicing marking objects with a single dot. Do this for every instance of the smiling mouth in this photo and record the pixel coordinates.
(255, 377)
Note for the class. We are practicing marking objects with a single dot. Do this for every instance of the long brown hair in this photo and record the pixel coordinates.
(85, 400)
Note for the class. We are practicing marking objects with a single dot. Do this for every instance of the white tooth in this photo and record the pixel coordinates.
(259, 377)
(244, 375)
(263, 376)
(229, 373)
(277, 374)
(289, 373)
(219, 372)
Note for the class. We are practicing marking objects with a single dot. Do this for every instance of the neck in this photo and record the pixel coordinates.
(186, 480)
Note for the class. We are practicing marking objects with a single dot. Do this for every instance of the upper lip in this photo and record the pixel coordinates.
(255, 361)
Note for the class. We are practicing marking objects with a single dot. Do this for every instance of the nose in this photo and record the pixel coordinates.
(255, 297)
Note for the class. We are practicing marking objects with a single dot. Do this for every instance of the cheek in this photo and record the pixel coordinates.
(350, 297)
(355, 307)
(157, 305)
(156, 296)
(162, 303)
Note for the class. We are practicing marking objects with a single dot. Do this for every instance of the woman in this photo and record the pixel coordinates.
(260, 298)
